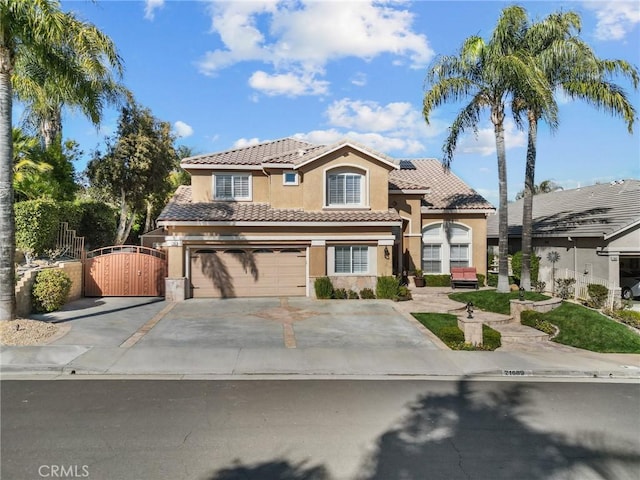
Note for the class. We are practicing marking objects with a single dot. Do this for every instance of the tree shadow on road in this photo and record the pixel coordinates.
(471, 433)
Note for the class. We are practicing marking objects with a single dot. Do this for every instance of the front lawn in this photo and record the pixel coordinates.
(492, 301)
(445, 327)
(584, 328)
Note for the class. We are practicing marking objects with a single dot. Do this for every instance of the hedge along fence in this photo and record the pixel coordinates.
(38, 222)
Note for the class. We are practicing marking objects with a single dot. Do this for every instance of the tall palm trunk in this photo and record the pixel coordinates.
(527, 202)
(497, 117)
(7, 220)
(51, 128)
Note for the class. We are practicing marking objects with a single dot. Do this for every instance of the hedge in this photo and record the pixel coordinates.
(437, 280)
(38, 223)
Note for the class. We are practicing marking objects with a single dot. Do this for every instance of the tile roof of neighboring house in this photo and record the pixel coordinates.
(596, 211)
(181, 209)
(446, 190)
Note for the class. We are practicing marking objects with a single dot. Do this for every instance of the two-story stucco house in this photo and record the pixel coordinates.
(268, 219)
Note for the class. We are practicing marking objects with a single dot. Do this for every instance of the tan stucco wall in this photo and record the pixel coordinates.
(284, 196)
(313, 178)
(175, 262)
(201, 185)
(317, 261)
(385, 266)
(629, 240)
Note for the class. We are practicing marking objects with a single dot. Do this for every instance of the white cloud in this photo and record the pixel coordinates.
(246, 142)
(289, 84)
(304, 36)
(359, 79)
(150, 8)
(485, 142)
(375, 141)
(182, 129)
(615, 18)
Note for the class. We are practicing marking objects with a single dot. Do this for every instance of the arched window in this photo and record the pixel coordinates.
(345, 187)
(444, 246)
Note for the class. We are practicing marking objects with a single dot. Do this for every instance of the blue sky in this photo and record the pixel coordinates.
(227, 74)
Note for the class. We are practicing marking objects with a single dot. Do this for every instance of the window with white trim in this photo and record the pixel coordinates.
(445, 246)
(351, 259)
(236, 186)
(345, 188)
(290, 178)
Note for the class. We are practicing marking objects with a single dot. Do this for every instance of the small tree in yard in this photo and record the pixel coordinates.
(135, 168)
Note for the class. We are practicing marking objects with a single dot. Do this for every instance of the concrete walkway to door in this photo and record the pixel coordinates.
(296, 337)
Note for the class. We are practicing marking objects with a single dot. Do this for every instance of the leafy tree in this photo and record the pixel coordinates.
(87, 83)
(545, 186)
(135, 168)
(487, 74)
(43, 173)
(572, 67)
(39, 31)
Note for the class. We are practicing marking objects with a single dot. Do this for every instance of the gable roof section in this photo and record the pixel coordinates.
(279, 153)
(600, 211)
(181, 210)
(275, 151)
(446, 190)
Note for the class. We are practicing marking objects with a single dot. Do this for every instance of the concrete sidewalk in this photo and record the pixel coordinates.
(249, 337)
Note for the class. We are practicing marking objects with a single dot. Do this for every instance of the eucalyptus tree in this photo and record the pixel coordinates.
(39, 30)
(88, 82)
(134, 170)
(485, 75)
(570, 66)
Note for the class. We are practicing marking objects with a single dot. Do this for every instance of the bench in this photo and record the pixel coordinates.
(466, 276)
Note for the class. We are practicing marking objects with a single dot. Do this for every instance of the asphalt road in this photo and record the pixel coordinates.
(319, 430)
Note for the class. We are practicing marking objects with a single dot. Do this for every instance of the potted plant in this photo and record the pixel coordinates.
(418, 278)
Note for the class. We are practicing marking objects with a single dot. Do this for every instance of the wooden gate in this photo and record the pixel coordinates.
(124, 271)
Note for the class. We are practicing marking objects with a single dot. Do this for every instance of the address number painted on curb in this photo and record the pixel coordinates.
(515, 373)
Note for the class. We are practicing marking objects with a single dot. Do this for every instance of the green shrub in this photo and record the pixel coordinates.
(367, 294)
(437, 280)
(37, 224)
(598, 294)
(352, 295)
(491, 339)
(323, 287)
(387, 287)
(340, 294)
(516, 266)
(630, 317)
(451, 335)
(564, 287)
(534, 319)
(480, 279)
(403, 293)
(539, 286)
(492, 280)
(98, 224)
(50, 290)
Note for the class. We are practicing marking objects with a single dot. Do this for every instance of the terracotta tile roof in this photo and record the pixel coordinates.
(180, 208)
(594, 211)
(446, 190)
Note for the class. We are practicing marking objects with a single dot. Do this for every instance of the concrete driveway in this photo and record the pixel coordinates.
(237, 323)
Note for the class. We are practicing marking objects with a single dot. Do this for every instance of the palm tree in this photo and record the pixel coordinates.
(571, 66)
(545, 186)
(40, 31)
(88, 82)
(488, 74)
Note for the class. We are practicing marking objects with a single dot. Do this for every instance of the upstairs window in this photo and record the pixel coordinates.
(290, 178)
(344, 189)
(232, 186)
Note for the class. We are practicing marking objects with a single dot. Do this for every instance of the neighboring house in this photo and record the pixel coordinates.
(595, 230)
(268, 219)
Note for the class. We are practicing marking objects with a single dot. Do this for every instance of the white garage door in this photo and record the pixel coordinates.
(248, 272)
